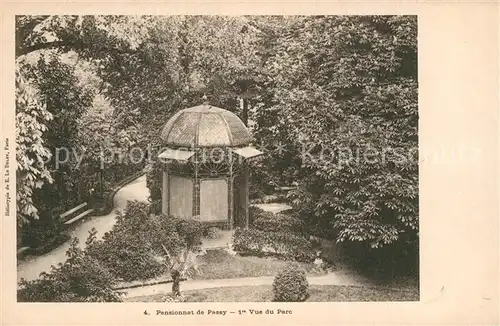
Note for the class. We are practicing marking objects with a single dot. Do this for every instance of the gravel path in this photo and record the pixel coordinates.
(332, 278)
(31, 266)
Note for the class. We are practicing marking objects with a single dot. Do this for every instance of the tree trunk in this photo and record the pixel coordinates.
(176, 278)
(244, 114)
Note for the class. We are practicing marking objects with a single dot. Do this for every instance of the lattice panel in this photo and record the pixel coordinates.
(213, 200)
(213, 131)
(181, 196)
(239, 132)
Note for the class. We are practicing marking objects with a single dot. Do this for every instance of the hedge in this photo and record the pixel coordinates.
(278, 222)
(281, 244)
(254, 213)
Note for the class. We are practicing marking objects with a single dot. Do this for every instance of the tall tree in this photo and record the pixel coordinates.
(49, 97)
(63, 96)
(32, 118)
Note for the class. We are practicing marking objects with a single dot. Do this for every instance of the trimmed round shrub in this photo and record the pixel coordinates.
(290, 285)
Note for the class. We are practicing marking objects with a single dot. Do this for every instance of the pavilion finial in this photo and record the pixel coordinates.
(205, 99)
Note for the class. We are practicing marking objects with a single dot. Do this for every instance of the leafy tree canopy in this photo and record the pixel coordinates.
(348, 85)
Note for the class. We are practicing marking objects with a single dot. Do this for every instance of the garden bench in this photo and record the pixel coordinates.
(76, 210)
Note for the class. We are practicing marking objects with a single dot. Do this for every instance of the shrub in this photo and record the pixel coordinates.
(280, 244)
(166, 233)
(80, 279)
(128, 257)
(137, 219)
(278, 222)
(134, 248)
(136, 210)
(290, 285)
(190, 230)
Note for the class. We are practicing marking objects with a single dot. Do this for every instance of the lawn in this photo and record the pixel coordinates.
(219, 264)
(317, 293)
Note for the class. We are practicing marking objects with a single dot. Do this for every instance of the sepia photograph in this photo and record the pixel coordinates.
(213, 158)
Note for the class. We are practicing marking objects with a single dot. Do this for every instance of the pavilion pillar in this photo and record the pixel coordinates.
(246, 195)
(231, 193)
(197, 188)
(164, 193)
(196, 198)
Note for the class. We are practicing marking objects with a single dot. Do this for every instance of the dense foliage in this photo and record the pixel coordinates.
(63, 123)
(348, 88)
(66, 99)
(42, 236)
(290, 285)
(287, 220)
(254, 213)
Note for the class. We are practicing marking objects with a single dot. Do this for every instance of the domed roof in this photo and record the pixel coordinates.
(205, 126)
